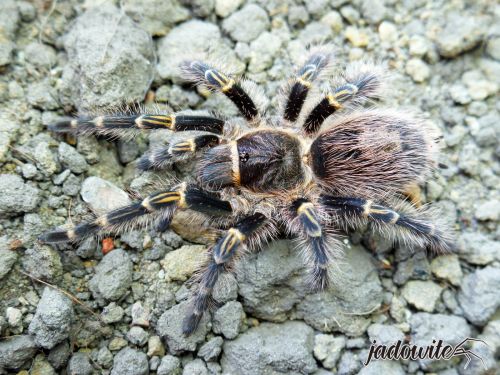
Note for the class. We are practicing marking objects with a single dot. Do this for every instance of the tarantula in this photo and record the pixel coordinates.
(339, 165)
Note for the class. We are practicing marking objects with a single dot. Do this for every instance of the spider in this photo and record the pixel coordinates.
(314, 171)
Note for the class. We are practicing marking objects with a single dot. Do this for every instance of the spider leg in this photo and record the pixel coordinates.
(122, 125)
(161, 157)
(222, 254)
(362, 82)
(317, 244)
(303, 81)
(413, 225)
(160, 205)
(202, 73)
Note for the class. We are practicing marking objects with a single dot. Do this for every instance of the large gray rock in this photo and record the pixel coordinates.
(426, 327)
(477, 248)
(9, 20)
(169, 327)
(113, 276)
(52, 320)
(16, 350)
(15, 196)
(273, 282)
(246, 24)
(71, 159)
(103, 196)
(79, 364)
(480, 295)
(130, 362)
(269, 349)
(112, 59)
(228, 319)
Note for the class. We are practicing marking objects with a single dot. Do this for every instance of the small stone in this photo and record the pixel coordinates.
(479, 296)
(155, 347)
(426, 327)
(7, 260)
(327, 349)
(14, 316)
(113, 276)
(382, 367)
(169, 365)
(478, 86)
(246, 24)
(52, 320)
(102, 196)
(228, 319)
(419, 46)
(477, 248)
(17, 350)
(16, 196)
(333, 19)
(493, 47)
(388, 32)
(137, 336)
(357, 37)
(105, 357)
(297, 15)
(489, 210)
(130, 362)
(140, 315)
(262, 350)
(224, 8)
(59, 355)
(196, 366)
(314, 33)
(117, 343)
(418, 70)
(42, 95)
(40, 55)
(263, 51)
(29, 170)
(41, 366)
(459, 33)
(169, 328)
(422, 294)
(79, 364)
(374, 11)
(350, 14)
(211, 350)
(112, 313)
(385, 334)
(180, 264)
(70, 158)
(459, 94)
(349, 364)
(447, 267)
(157, 23)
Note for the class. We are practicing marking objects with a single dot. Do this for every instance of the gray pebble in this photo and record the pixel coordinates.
(113, 276)
(52, 320)
(71, 159)
(16, 196)
(349, 364)
(43, 262)
(137, 336)
(169, 327)
(42, 95)
(228, 319)
(246, 24)
(7, 260)
(211, 350)
(105, 357)
(383, 367)
(261, 350)
(130, 362)
(479, 296)
(195, 367)
(477, 248)
(426, 327)
(385, 334)
(15, 351)
(79, 364)
(40, 55)
(59, 355)
(103, 196)
(169, 365)
(328, 348)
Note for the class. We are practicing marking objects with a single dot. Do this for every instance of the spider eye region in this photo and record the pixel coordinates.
(244, 157)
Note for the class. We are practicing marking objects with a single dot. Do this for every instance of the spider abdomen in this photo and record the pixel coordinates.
(373, 153)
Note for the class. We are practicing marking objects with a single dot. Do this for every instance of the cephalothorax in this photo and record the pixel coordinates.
(312, 172)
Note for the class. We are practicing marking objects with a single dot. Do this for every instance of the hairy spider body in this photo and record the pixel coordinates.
(312, 172)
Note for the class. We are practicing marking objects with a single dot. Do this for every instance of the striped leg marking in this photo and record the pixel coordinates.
(114, 124)
(306, 75)
(420, 227)
(199, 71)
(222, 252)
(317, 246)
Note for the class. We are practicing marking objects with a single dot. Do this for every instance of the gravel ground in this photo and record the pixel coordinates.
(120, 313)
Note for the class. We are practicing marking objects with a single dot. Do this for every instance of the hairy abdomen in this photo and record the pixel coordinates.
(372, 154)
